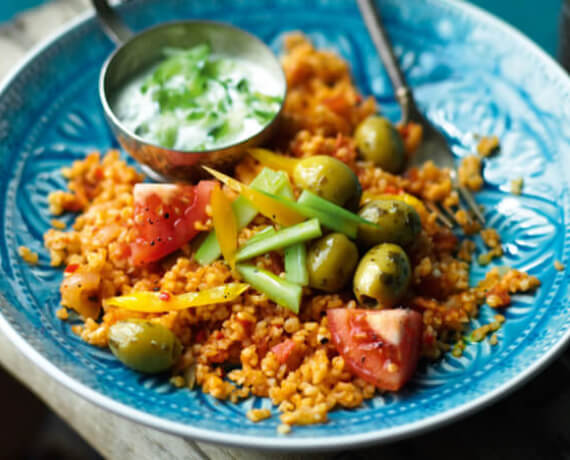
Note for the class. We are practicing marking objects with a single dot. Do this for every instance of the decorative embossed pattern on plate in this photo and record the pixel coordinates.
(470, 73)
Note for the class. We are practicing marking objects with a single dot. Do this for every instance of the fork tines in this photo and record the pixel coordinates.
(447, 216)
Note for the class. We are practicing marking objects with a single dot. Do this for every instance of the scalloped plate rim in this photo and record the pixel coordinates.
(324, 443)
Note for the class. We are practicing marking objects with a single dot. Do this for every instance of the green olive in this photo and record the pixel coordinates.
(331, 261)
(397, 222)
(144, 346)
(382, 276)
(329, 178)
(379, 142)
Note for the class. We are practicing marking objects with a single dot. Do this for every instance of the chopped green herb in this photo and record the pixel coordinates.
(264, 98)
(219, 131)
(223, 105)
(196, 114)
(170, 100)
(264, 115)
(179, 62)
(215, 68)
(167, 136)
(142, 129)
(243, 86)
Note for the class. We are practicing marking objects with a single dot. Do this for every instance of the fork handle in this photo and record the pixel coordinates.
(112, 24)
(373, 22)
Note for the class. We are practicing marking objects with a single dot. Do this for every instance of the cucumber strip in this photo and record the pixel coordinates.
(262, 234)
(314, 201)
(283, 238)
(209, 250)
(286, 191)
(281, 291)
(296, 264)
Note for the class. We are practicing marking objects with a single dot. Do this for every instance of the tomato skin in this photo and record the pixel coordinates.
(380, 346)
(71, 268)
(165, 217)
(392, 189)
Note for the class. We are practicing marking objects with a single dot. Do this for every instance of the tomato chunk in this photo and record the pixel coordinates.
(288, 352)
(380, 346)
(165, 216)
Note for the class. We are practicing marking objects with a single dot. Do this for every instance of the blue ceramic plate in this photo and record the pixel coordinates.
(471, 73)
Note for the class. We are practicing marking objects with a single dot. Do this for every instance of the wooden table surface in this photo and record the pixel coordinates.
(533, 423)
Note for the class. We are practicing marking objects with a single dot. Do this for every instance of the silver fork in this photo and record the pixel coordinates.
(434, 145)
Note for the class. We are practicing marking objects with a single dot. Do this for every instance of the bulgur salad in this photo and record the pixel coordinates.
(313, 274)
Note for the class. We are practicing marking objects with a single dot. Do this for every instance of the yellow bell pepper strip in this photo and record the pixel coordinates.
(405, 197)
(268, 181)
(225, 225)
(274, 160)
(299, 233)
(161, 302)
(265, 203)
(281, 291)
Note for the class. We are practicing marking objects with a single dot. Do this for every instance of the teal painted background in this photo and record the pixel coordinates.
(9, 8)
(536, 18)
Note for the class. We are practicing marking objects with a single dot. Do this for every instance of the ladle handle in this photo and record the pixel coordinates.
(377, 32)
(112, 24)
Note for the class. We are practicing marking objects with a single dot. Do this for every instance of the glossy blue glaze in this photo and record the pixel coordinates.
(470, 73)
